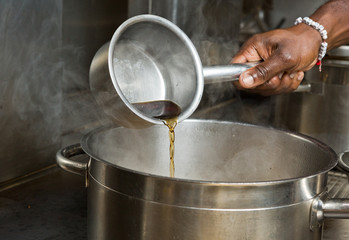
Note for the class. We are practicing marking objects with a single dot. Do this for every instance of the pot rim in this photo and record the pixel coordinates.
(209, 194)
(323, 146)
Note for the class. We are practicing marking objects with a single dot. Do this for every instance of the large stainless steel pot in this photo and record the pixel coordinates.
(233, 181)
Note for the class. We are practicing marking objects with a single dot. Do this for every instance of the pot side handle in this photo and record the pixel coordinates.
(64, 159)
(343, 161)
(336, 208)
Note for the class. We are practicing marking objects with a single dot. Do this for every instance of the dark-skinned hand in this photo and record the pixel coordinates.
(285, 54)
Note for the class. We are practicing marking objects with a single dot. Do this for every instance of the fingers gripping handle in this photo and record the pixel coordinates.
(232, 72)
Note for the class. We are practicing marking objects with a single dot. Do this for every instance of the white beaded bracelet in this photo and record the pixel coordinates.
(323, 34)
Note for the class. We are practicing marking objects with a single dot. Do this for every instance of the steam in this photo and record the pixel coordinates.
(30, 86)
(39, 86)
(33, 72)
(200, 153)
(207, 151)
(205, 22)
(213, 26)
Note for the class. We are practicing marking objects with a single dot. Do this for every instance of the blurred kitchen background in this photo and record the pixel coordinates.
(47, 47)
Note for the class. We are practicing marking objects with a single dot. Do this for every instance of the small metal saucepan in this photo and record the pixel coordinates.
(150, 59)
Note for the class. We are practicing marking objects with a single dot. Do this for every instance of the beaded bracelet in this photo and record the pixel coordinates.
(323, 34)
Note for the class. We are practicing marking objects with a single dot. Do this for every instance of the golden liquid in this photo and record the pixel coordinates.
(171, 124)
(167, 111)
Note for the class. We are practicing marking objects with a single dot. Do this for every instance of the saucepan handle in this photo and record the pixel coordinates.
(232, 72)
(303, 88)
(65, 161)
(225, 73)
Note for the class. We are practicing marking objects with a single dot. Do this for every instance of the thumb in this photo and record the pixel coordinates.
(262, 72)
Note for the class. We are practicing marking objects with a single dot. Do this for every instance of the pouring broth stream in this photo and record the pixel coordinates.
(167, 111)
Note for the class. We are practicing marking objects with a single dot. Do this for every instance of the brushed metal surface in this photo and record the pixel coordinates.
(130, 195)
(58, 209)
(243, 149)
(112, 215)
(342, 51)
(139, 66)
(324, 116)
(47, 47)
(142, 67)
(30, 85)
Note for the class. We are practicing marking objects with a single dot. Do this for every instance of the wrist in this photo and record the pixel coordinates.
(311, 34)
(308, 42)
(322, 32)
(334, 17)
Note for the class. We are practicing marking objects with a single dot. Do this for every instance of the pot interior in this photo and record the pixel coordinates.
(212, 151)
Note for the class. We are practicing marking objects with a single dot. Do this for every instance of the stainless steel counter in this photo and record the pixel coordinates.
(338, 187)
(53, 207)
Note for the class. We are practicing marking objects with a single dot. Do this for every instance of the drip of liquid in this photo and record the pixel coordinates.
(167, 111)
(171, 124)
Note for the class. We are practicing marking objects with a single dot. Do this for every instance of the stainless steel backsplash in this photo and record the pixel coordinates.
(46, 48)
